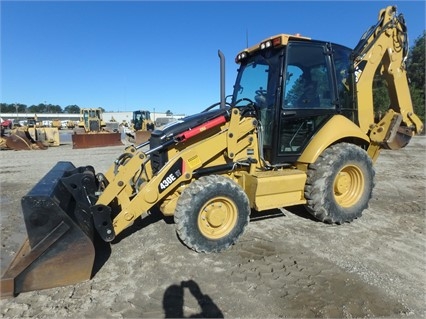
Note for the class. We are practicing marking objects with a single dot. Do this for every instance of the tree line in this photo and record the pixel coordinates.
(416, 72)
(41, 108)
(415, 69)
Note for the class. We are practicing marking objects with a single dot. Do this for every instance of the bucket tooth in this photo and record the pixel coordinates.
(60, 249)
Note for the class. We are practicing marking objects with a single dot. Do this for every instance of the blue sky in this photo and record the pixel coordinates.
(160, 55)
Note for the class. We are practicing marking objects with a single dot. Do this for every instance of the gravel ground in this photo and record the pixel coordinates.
(285, 265)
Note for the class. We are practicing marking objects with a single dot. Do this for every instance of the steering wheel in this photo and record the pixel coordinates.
(244, 99)
(214, 105)
(249, 108)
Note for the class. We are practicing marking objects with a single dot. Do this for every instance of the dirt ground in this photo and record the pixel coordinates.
(286, 265)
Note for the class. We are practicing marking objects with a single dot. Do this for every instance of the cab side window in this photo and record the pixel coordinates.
(307, 78)
(342, 64)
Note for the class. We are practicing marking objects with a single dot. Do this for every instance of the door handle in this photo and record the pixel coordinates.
(288, 113)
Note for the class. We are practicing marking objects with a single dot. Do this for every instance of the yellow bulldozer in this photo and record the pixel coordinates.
(300, 130)
(57, 123)
(141, 127)
(92, 131)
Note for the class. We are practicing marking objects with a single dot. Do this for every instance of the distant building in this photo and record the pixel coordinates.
(119, 117)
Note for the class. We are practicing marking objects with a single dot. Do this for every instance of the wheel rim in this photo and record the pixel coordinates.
(348, 186)
(217, 218)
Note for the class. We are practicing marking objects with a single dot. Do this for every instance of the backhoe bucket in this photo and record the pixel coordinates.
(60, 249)
(89, 140)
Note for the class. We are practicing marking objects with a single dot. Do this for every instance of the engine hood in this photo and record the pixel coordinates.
(186, 123)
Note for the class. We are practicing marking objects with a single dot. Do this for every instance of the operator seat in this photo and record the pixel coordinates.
(310, 97)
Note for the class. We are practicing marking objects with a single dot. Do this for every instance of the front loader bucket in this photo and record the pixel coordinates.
(59, 249)
(142, 136)
(89, 140)
(21, 140)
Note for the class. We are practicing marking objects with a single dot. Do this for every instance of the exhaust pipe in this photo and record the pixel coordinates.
(222, 79)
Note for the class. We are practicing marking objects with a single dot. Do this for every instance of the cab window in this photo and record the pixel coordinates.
(307, 78)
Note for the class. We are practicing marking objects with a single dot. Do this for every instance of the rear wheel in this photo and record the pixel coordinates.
(211, 214)
(340, 184)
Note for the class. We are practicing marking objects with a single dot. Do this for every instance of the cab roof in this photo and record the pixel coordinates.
(276, 41)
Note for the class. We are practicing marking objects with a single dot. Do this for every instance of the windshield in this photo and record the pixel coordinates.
(257, 79)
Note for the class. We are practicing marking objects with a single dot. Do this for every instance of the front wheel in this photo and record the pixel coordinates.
(339, 184)
(211, 214)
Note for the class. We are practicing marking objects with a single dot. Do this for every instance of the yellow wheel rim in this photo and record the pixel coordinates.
(217, 218)
(348, 186)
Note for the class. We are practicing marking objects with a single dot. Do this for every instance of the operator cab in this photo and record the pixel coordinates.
(139, 117)
(296, 86)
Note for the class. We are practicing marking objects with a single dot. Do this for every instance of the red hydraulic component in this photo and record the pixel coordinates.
(201, 128)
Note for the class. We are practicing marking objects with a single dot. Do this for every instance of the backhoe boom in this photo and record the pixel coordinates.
(385, 47)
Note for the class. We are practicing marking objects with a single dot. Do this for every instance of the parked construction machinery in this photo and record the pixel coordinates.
(300, 130)
(6, 124)
(141, 127)
(57, 123)
(92, 131)
(70, 124)
(32, 136)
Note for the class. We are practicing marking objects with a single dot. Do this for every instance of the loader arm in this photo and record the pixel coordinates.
(130, 180)
(385, 45)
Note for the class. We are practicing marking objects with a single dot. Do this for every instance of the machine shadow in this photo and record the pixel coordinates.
(102, 253)
(103, 249)
(298, 210)
(154, 216)
(173, 302)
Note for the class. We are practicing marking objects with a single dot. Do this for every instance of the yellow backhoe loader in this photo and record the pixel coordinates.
(300, 130)
(92, 131)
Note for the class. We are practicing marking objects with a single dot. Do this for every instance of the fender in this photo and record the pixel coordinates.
(337, 128)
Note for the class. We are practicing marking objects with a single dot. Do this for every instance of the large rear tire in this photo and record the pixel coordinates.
(339, 184)
(211, 214)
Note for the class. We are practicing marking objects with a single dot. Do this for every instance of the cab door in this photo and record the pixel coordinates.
(308, 98)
